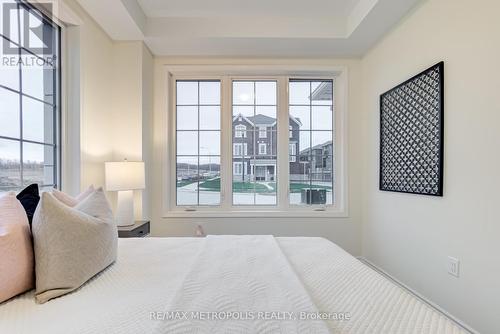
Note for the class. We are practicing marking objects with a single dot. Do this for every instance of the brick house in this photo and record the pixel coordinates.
(255, 147)
(317, 161)
(255, 136)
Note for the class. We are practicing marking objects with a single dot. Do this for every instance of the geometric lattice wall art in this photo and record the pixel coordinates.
(411, 134)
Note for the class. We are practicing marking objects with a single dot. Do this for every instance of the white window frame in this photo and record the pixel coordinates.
(292, 152)
(290, 129)
(238, 168)
(165, 100)
(237, 149)
(262, 132)
(240, 131)
(262, 151)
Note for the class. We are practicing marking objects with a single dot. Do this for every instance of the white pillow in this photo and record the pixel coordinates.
(71, 244)
(70, 200)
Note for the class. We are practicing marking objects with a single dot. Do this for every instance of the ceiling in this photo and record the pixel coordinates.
(257, 28)
(239, 8)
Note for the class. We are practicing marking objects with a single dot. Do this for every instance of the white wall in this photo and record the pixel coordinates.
(115, 96)
(147, 127)
(410, 236)
(344, 231)
(96, 77)
(131, 94)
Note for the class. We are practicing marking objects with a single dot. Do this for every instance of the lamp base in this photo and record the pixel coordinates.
(125, 208)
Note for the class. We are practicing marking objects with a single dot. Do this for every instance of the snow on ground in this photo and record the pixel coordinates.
(188, 195)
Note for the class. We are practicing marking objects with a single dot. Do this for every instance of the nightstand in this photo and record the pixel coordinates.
(138, 230)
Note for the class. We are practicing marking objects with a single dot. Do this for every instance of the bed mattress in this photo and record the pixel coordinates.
(350, 296)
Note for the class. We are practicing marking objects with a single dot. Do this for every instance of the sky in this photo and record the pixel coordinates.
(32, 76)
(249, 99)
(33, 120)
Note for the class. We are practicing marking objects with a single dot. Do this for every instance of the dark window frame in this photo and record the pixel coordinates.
(55, 104)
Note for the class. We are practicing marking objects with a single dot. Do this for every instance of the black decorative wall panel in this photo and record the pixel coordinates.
(411, 134)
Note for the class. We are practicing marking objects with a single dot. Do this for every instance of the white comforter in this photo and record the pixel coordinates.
(151, 274)
(239, 285)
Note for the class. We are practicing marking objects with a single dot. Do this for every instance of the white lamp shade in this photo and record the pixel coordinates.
(124, 175)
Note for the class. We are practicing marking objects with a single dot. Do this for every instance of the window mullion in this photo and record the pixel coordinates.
(282, 151)
(21, 134)
(226, 144)
(172, 142)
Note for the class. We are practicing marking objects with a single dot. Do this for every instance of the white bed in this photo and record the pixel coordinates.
(150, 272)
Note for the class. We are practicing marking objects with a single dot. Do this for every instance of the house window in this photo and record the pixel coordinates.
(250, 170)
(262, 149)
(238, 168)
(240, 149)
(237, 149)
(292, 152)
(198, 142)
(262, 132)
(311, 179)
(240, 131)
(30, 105)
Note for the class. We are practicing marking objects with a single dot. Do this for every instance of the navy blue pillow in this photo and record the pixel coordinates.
(29, 198)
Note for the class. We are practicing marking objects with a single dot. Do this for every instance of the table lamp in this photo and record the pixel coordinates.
(125, 177)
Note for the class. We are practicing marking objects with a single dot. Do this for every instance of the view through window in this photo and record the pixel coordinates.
(254, 108)
(198, 142)
(254, 134)
(311, 142)
(29, 98)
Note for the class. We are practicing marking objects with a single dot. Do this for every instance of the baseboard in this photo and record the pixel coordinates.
(418, 295)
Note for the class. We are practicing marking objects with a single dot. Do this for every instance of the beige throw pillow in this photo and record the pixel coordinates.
(71, 244)
(16, 250)
(70, 200)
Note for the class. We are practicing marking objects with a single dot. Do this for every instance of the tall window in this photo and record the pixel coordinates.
(311, 177)
(292, 152)
(255, 108)
(262, 132)
(262, 149)
(198, 142)
(29, 98)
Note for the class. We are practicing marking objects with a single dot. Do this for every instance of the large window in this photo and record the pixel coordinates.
(198, 142)
(249, 144)
(311, 173)
(254, 107)
(29, 98)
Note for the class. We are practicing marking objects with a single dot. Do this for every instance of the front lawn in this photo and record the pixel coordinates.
(250, 187)
(183, 183)
(211, 185)
(238, 187)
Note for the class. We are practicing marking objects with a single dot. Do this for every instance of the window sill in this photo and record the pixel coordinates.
(311, 213)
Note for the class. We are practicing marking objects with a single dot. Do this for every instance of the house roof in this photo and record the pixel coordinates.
(260, 119)
(316, 147)
(323, 92)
